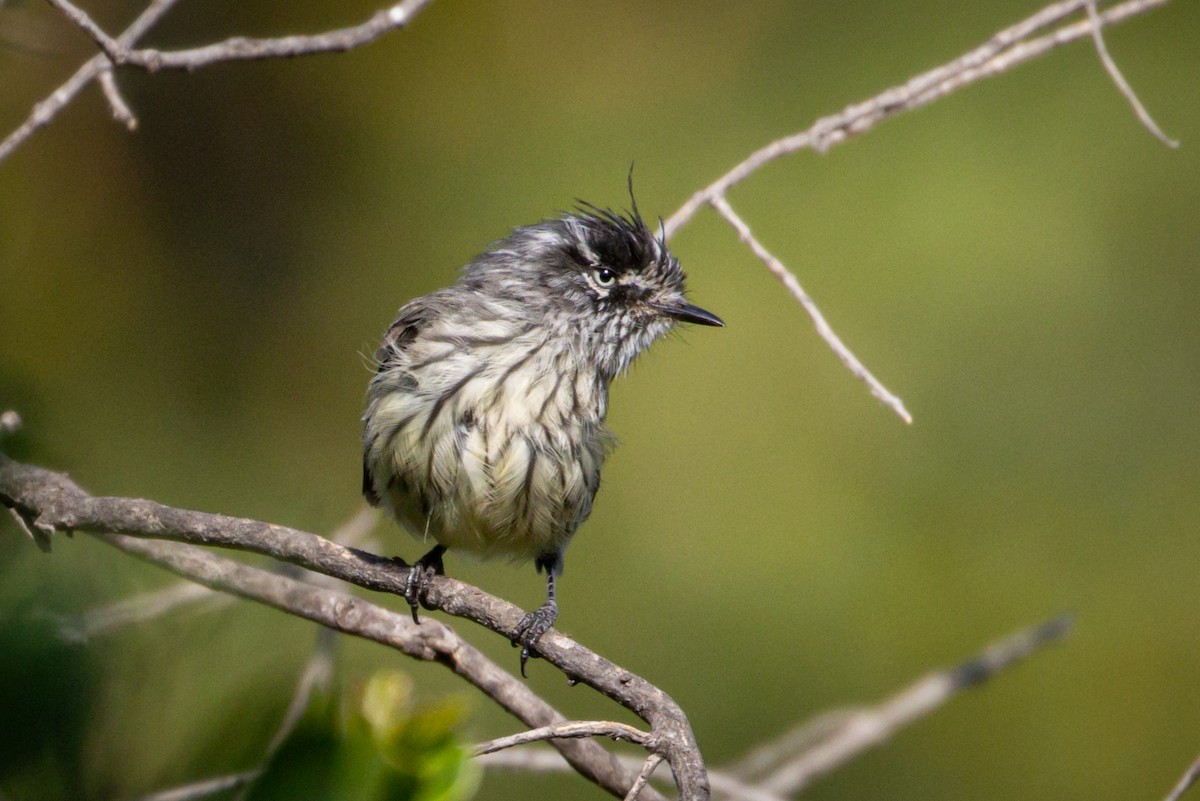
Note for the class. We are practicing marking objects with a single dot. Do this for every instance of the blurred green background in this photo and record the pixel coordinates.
(184, 314)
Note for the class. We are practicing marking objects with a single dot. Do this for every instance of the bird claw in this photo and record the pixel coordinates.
(420, 577)
(530, 630)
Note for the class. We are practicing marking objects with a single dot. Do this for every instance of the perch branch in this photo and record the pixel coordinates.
(49, 501)
(429, 641)
(787, 765)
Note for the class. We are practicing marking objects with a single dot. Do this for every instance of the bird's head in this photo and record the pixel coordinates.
(602, 278)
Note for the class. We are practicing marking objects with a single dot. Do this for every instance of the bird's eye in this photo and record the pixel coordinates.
(605, 276)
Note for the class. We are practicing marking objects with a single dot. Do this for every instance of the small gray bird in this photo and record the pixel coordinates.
(484, 427)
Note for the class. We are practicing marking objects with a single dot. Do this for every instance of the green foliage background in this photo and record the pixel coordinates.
(184, 313)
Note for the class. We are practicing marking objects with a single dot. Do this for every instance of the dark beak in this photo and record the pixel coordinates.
(687, 313)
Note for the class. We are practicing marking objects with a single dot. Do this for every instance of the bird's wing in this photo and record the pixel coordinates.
(413, 316)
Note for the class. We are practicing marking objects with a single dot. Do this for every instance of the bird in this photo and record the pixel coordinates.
(484, 428)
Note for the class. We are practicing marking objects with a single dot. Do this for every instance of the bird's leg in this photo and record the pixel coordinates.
(416, 588)
(536, 623)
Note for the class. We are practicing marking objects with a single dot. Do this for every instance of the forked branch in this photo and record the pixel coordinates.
(1008, 48)
(48, 502)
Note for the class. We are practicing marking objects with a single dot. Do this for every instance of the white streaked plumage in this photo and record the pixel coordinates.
(484, 428)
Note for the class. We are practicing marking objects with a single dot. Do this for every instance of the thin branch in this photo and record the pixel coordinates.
(315, 677)
(203, 789)
(643, 777)
(1123, 86)
(240, 48)
(151, 605)
(865, 729)
(120, 109)
(543, 760)
(1186, 781)
(45, 111)
(140, 608)
(768, 756)
(578, 728)
(777, 268)
(429, 641)
(999, 54)
(50, 501)
(119, 51)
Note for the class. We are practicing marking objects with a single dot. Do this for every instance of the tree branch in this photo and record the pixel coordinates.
(116, 101)
(1114, 72)
(1000, 53)
(997, 55)
(429, 641)
(146, 606)
(241, 48)
(120, 51)
(824, 330)
(48, 501)
(1185, 782)
(45, 111)
(794, 761)
(543, 760)
(789, 764)
(643, 777)
(205, 788)
(582, 728)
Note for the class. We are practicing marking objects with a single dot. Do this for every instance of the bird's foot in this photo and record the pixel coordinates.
(420, 576)
(531, 628)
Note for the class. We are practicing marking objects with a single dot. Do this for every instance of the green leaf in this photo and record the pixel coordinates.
(381, 748)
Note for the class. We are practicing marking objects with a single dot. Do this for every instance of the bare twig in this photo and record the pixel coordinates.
(1123, 86)
(45, 111)
(777, 268)
(864, 729)
(49, 501)
(120, 109)
(1186, 781)
(543, 760)
(203, 789)
(314, 678)
(768, 756)
(578, 728)
(151, 605)
(138, 609)
(119, 51)
(643, 777)
(240, 48)
(1000, 53)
